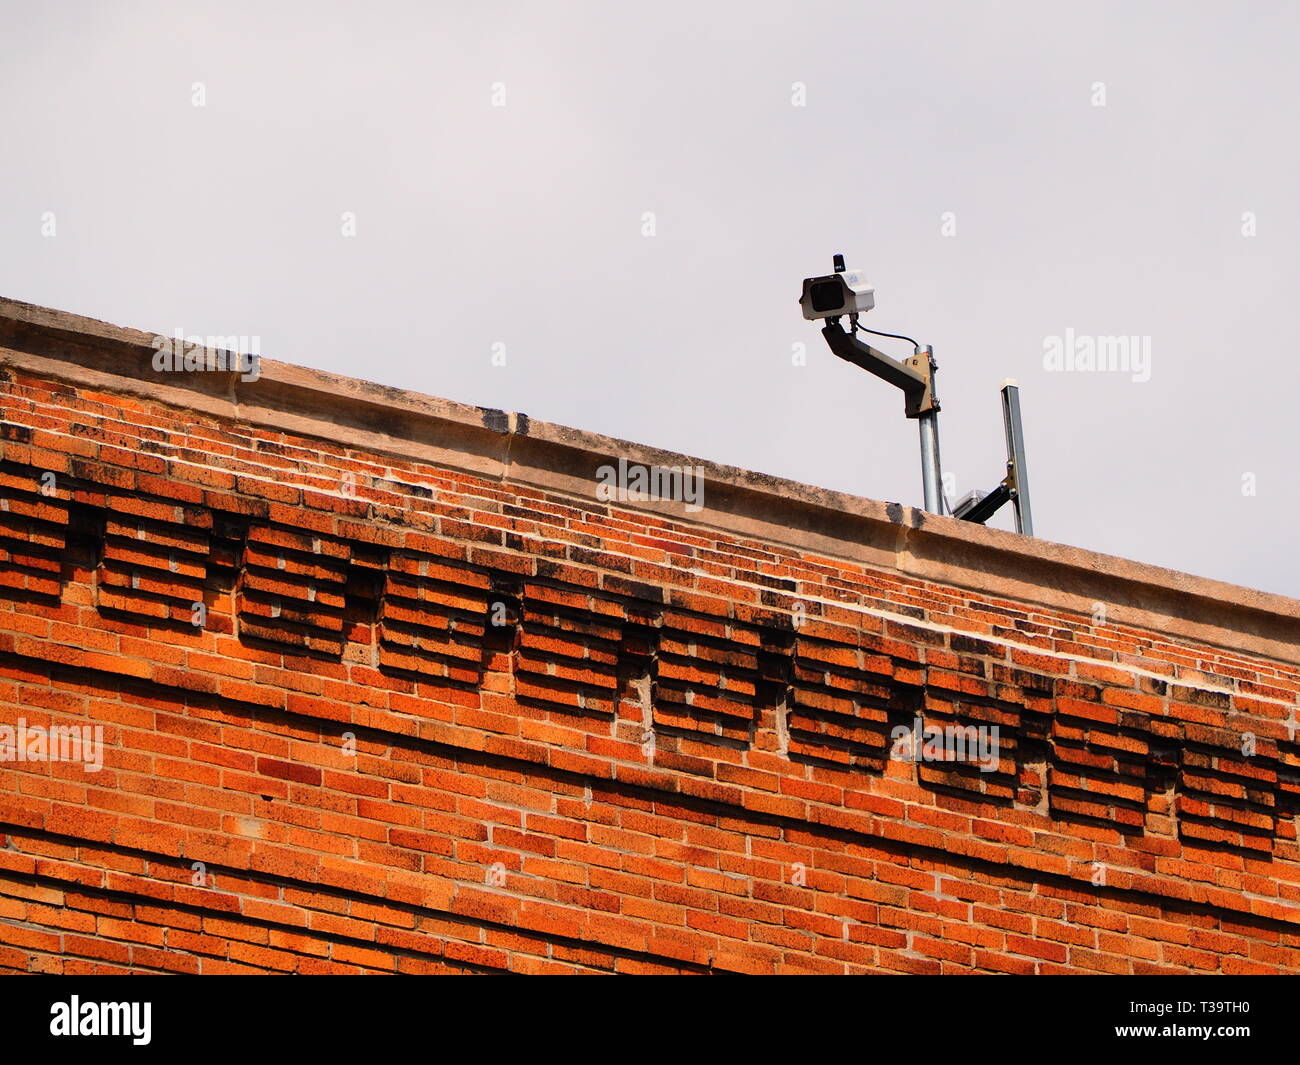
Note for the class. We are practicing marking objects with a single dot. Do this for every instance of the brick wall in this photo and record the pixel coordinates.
(384, 686)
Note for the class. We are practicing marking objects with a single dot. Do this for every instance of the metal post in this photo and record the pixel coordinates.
(931, 472)
(1016, 457)
(931, 478)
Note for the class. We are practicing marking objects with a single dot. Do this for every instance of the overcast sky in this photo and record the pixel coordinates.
(626, 197)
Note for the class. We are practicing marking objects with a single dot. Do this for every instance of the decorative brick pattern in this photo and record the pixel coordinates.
(33, 535)
(152, 568)
(292, 588)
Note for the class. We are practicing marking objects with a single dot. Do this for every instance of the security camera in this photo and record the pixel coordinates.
(843, 292)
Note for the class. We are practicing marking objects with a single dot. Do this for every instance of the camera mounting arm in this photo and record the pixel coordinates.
(915, 376)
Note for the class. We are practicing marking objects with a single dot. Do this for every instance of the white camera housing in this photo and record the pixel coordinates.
(843, 292)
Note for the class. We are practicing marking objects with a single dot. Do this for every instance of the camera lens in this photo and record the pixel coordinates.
(827, 295)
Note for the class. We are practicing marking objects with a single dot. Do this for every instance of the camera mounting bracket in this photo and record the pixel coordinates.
(915, 375)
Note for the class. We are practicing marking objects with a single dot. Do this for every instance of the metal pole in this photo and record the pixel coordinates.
(1015, 435)
(931, 473)
(931, 478)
